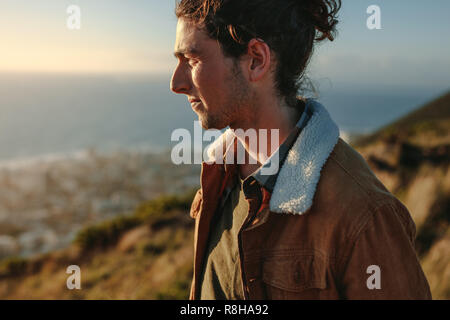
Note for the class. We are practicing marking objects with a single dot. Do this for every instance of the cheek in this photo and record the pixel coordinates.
(207, 79)
(200, 76)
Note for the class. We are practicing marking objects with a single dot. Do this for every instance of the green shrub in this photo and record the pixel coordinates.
(106, 233)
(151, 248)
(13, 266)
(158, 211)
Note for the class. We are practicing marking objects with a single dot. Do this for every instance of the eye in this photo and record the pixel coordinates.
(192, 62)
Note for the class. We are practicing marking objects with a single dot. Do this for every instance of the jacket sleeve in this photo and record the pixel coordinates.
(383, 264)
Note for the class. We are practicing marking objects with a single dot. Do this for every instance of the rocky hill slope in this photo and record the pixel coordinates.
(411, 157)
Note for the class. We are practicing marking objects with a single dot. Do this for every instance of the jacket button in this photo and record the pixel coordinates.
(297, 276)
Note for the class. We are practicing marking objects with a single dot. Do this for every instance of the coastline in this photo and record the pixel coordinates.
(47, 199)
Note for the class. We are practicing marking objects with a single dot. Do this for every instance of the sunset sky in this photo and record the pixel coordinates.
(118, 36)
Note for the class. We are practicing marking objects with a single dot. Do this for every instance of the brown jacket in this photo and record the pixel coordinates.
(321, 231)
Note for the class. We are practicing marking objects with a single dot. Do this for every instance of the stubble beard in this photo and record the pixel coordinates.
(235, 107)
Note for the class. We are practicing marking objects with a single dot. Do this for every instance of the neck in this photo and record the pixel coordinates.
(264, 131)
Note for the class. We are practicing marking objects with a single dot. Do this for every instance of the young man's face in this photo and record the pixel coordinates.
(213, 84)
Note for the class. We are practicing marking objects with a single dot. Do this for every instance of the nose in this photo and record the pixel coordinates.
(180, 81)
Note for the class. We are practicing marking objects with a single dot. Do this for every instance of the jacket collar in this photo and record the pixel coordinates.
(300, 173)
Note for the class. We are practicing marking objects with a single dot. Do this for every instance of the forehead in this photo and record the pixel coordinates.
(191, 39)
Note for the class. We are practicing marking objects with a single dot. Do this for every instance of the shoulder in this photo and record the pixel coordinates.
(353, 174)
(349, 194)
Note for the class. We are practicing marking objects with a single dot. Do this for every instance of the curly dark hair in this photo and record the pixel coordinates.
(289, 27)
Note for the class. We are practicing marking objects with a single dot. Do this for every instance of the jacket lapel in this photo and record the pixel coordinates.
(214, 179)
(300, 173)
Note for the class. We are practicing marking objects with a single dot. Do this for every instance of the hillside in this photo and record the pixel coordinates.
(148, 254)
(427, 126)
(145, 255)
(411, 157)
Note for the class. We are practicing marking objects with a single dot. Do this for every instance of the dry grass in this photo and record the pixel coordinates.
(138, 273)
(150, 258)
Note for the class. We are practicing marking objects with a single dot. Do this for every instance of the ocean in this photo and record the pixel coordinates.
(47, 115)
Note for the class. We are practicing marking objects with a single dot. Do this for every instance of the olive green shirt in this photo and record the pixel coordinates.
(221, 276)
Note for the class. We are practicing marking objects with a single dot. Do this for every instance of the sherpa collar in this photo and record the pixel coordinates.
(300, 173)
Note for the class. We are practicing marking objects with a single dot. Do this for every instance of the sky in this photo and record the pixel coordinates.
(137, 36)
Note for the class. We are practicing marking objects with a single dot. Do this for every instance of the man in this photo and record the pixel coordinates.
(322, 226)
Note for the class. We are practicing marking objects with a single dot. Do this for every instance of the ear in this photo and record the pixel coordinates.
(260, 59)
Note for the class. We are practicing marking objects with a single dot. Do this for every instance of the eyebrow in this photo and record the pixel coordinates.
(181, 53)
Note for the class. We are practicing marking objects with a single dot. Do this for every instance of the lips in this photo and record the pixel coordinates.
(195, 104)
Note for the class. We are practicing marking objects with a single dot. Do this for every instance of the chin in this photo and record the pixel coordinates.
(210, 124)
(204, 124)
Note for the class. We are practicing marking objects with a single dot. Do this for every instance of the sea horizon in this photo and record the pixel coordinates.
(45, 116)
